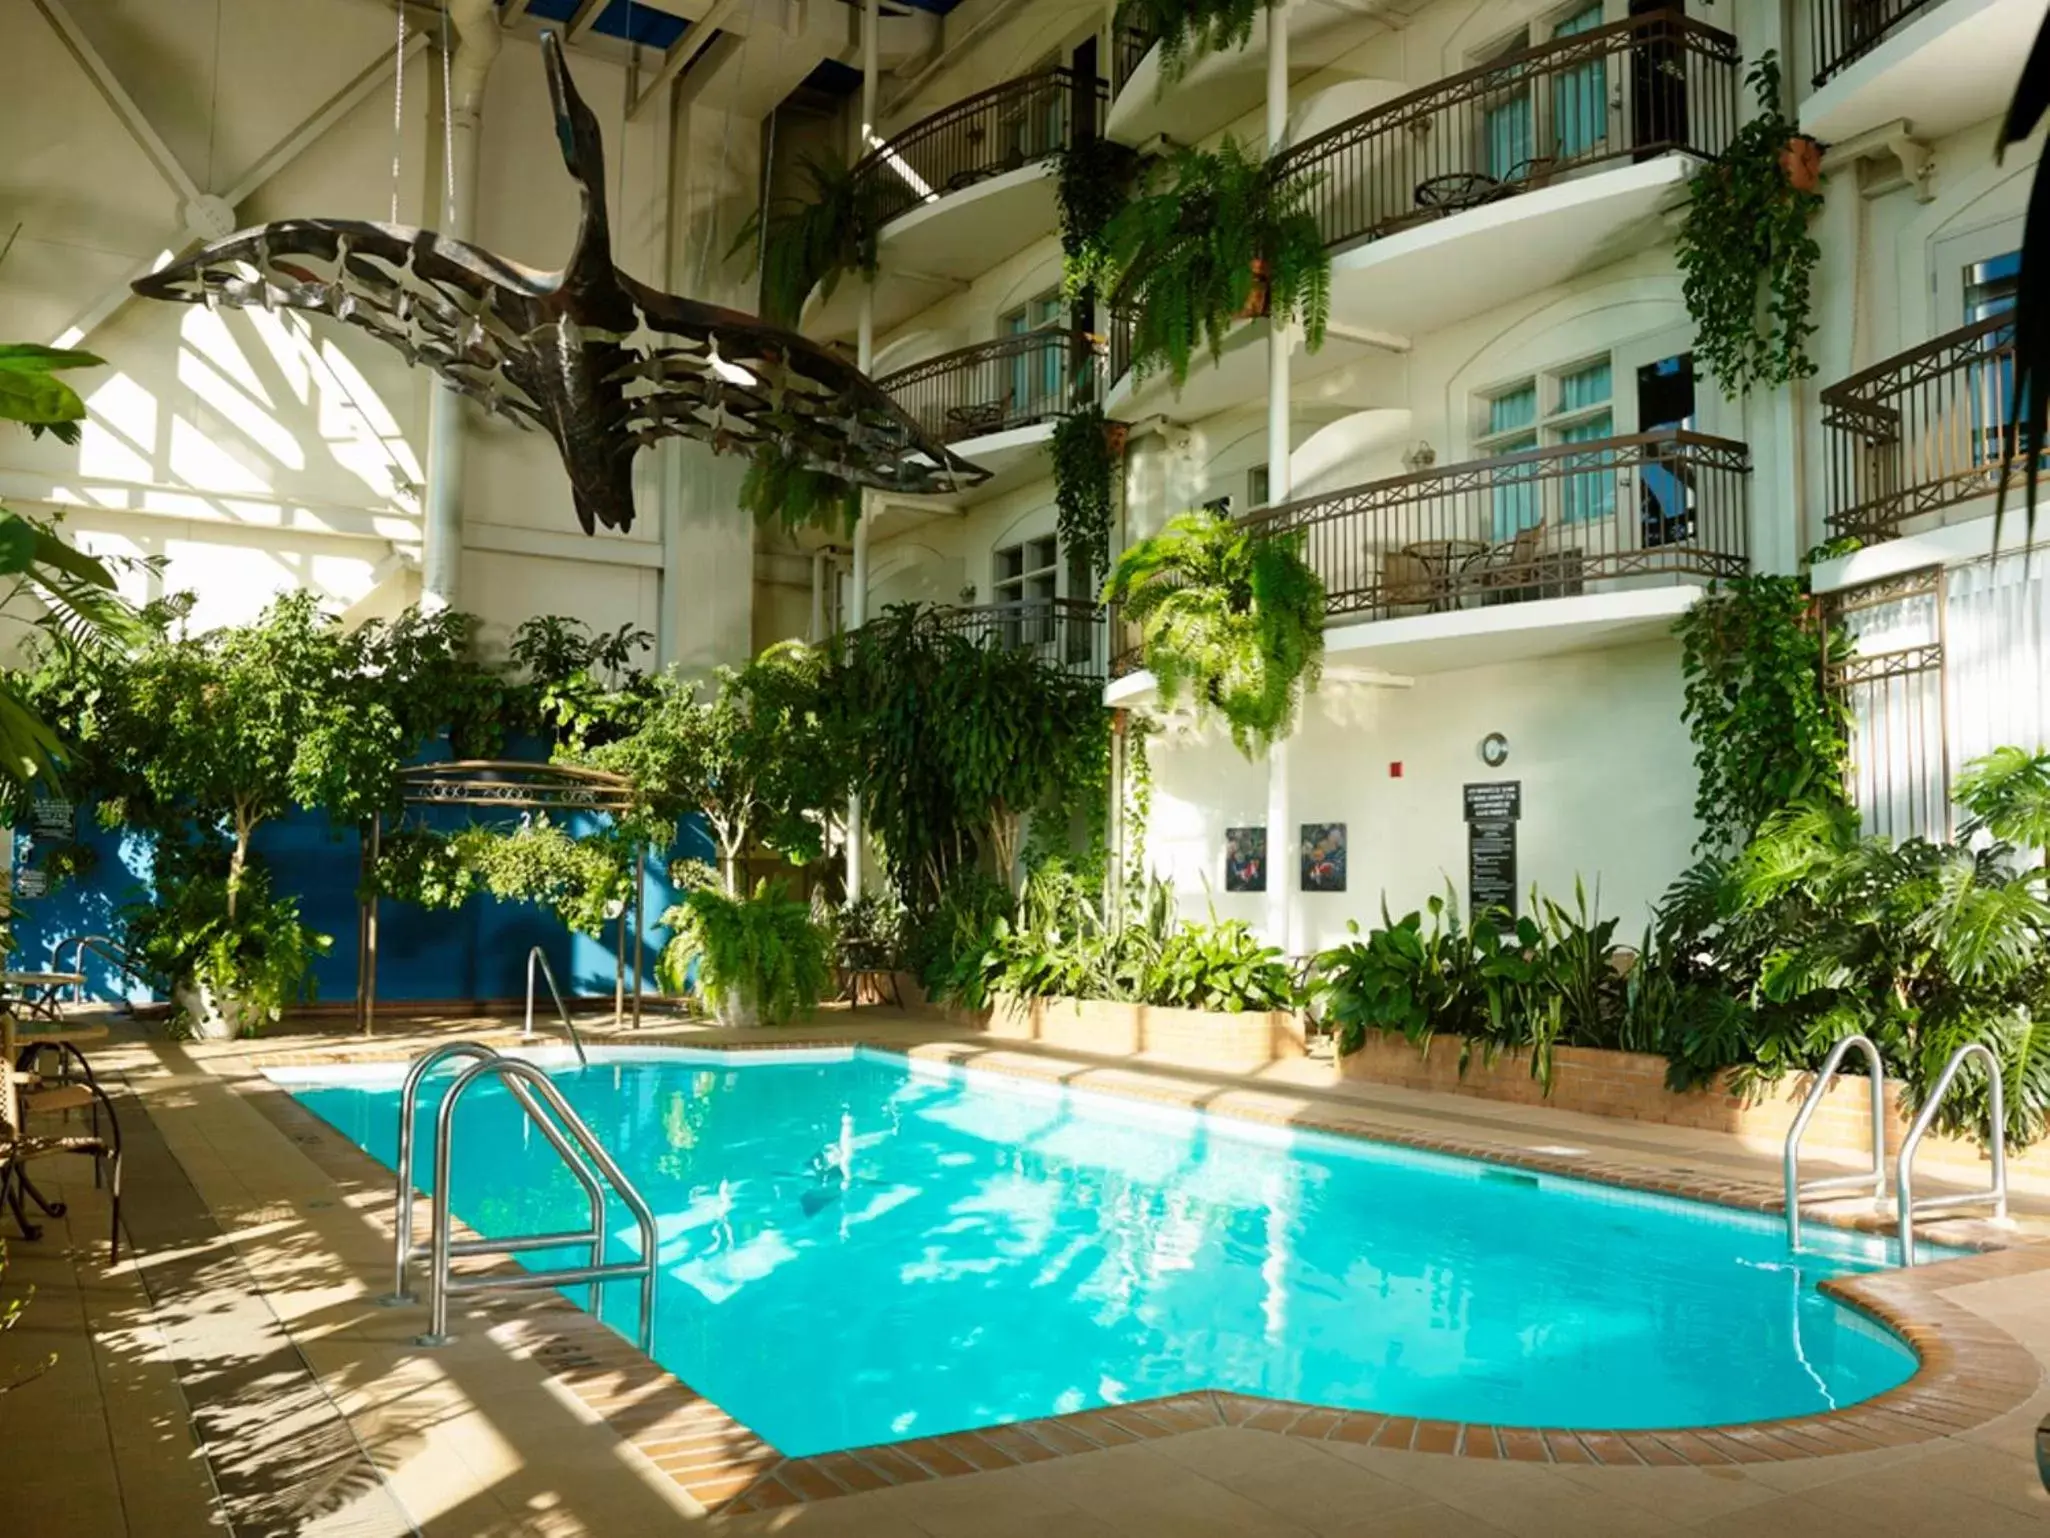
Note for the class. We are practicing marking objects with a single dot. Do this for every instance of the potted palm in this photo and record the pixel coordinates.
(1223, 237)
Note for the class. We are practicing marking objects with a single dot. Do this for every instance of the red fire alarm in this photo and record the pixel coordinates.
(1395, 770)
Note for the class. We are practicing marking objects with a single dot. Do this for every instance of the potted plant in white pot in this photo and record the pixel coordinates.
(232, 957)
(757, 960)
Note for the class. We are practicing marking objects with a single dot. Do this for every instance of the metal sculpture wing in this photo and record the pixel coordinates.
(601, 363)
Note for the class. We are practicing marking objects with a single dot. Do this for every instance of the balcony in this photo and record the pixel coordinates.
(1553, 549)
(997, 402)
(1069, 633)
(1551, 160)
(1496, 183)
(1937, 65)
(961, 191)
(1921, 433)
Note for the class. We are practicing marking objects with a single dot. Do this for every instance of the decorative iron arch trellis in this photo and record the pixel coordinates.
(506, 785)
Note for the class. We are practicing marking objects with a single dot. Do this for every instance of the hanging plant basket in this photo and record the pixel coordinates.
(1801, 162)
(1255, 307)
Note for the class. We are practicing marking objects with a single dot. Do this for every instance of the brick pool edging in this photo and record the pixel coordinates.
(1970, 1371)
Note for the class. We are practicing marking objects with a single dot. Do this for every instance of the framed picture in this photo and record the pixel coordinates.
(1245, 859)
(1323, 857)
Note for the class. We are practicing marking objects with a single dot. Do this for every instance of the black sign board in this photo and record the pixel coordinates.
(1490, 867)
(52, 818)
(1494, 801)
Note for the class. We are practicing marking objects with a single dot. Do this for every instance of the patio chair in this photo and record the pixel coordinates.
(1407, 581)
(22, 1092)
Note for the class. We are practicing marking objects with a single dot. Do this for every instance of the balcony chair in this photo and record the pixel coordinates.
(1407, 582)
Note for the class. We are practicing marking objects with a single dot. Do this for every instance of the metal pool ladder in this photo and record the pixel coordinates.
(561, 1009)
(1996, 1143)
(1875, 1178)
(579, 1150)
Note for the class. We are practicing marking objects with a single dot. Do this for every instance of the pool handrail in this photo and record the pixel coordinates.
(561, 1009)
(107, 948)
(517, 1076)
(1790, 1161)
(1996, 1142)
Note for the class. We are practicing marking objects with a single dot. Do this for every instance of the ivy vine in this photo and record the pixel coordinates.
(1767, 731)
(1092, 179)
(1084, 471)
(1747, 230)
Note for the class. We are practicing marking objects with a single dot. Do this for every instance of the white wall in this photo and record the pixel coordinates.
(1595, 738)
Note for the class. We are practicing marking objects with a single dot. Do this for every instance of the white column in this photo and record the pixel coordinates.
(476, 24)
(865, 357)
(1282, 860)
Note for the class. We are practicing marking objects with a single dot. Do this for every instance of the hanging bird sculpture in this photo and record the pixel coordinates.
(601, 363)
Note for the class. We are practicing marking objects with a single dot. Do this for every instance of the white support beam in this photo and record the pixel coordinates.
(583, 19)
(85, 496)
(686, 48)
(288, 149)
(132, 117)
(514, 539)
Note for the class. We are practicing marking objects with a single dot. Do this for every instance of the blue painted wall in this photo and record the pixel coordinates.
(477, 952)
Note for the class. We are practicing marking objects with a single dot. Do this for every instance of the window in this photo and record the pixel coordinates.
(1561, 406)
(1035, 372)
(1258, 486)
(1990, 288)
(1027, 581)
(1515, 121)
(1665, 398)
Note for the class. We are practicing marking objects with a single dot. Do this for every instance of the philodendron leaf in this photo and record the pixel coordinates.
(28, 391)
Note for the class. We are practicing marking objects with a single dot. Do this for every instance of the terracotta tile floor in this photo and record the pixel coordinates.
(246, 1322)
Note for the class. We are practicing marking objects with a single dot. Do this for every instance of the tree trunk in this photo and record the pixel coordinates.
(239, 861)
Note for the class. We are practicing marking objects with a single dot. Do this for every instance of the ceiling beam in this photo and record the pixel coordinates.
(685, 49)
(125, 106)
(585, 17)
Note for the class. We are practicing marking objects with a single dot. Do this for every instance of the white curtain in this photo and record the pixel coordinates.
(1997, 621)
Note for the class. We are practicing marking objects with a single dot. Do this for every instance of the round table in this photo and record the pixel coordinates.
(23, 987)
(1446, 560)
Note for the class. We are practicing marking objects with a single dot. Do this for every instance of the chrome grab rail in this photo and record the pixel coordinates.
(1996, 1095)
(561, 1009)
(519, 1076)
(79, 944)
(409, 1101)
(1791, 1160)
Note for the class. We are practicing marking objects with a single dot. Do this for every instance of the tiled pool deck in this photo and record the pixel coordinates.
(237, 1374)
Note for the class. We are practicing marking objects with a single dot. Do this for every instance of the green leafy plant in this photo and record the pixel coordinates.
(584, 881)
(1225, 237)
(782, 490)
(1092, 181)
(810, 241)
(1746, 233)
(747, 753)
(580, 687)
(1188, 29)
(226, 942)
(1220, 966)
(1084, 473)
(33, 395)
(757, 959)
(1231, 619)
(1767, 732)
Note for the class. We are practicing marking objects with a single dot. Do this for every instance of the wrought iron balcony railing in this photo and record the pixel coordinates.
(1655, 508)
(1844, 31)
(992, 387)
(1070, 633)
(1130, 43)
(1004, 128)
(1655, 83)
(1921, 431)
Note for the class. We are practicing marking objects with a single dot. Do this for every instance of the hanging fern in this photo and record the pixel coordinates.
(780, 489)
(1083, 471)
(758, 959)
(1747, 228)
(1232, 619)
(1188, 29)
(1093, 180)
(1188, 259)
(807, 242)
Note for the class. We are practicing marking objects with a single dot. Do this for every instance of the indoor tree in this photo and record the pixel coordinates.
(1224, 237)
(1231, 618)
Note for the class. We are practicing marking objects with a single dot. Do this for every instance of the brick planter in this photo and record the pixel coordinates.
(1181, 1038)
(1631, 1086)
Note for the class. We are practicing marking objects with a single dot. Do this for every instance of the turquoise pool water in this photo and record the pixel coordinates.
(855, 1249)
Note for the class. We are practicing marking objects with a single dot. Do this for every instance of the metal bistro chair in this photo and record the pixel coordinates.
(22, 1092)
